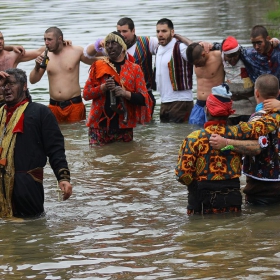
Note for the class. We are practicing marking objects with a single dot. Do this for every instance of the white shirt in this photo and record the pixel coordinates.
(164, 85)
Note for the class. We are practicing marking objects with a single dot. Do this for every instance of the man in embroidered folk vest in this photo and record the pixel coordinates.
(119, 95)
(262, 168)
(29, 133)
(212, 175)
(173, 75)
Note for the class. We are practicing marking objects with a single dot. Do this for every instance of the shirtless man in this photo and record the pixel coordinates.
(63, 73)
(11, 59)
(11, 56)
(209, 72)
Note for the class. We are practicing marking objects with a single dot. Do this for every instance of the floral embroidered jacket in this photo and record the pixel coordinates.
(264, 166)
(131, 78)
(199, 161)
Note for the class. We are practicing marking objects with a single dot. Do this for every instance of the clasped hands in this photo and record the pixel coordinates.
(111, 85)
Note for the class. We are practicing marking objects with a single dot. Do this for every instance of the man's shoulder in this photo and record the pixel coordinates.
(216, 53)
(276, 49)
(132, 64)
(37, 106)
(73, 48)
(196, 134)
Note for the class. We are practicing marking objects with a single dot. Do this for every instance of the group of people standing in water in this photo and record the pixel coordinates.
(231, 81)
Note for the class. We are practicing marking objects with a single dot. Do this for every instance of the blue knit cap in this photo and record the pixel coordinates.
(222, 91)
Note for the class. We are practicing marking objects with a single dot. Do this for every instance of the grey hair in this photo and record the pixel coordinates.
(20, 76)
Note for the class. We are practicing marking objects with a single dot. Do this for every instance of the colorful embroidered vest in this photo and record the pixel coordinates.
(264, 166)
(143, 57)
(180, 71)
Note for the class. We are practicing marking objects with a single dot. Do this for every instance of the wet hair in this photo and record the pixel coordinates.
(259, 30)
(20, 77)
(126, 21)
(268, 86)
(57, 32)
(194, 52)
(166, 21)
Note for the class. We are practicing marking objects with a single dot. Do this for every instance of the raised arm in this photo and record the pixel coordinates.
(16, 49)
(37, 72)
(31, 54)
(94, 49)
(183, 39)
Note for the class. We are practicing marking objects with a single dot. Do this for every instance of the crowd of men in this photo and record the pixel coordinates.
(233, 83)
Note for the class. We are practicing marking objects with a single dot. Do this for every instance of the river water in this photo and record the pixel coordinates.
(127, 216)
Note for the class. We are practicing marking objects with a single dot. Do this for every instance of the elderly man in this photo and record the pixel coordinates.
(29, 134)
(212, 176)
(119, 96)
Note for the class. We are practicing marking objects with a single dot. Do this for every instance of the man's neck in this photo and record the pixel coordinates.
(120, 58)
(268, 49)
(129, 45)
(58, 50)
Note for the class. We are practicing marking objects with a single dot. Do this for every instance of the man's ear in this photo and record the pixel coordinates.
(257, 93)
(25, 87)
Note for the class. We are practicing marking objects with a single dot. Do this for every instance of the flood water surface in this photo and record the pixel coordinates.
(127, 216)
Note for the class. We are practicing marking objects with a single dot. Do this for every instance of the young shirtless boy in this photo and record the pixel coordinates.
(209, 72)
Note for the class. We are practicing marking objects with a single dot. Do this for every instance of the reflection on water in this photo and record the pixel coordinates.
(126, 219)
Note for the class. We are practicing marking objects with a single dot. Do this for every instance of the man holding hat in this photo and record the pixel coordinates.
(119, 96)
(240, 84)
(212, 176)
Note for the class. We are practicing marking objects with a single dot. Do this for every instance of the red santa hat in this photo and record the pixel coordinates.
(230, 45)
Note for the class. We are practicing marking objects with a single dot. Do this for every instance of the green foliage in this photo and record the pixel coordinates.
(274, 15)
(274, 18)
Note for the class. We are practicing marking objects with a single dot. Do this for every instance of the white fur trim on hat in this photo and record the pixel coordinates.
(232, 51)
(222, 91)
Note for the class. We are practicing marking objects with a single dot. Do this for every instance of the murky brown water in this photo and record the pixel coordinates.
(126, 219)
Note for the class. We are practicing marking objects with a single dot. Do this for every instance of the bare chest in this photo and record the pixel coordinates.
(63, 64)
(8, 61)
